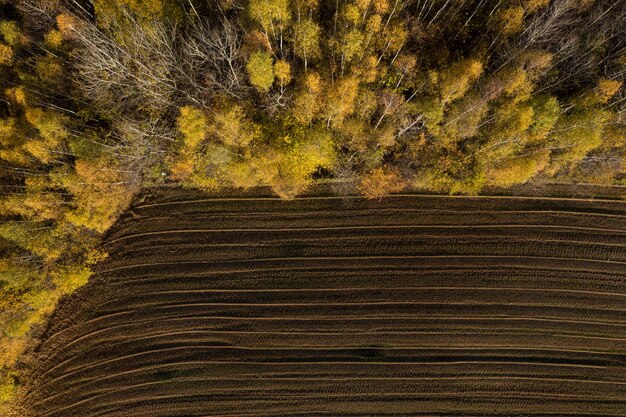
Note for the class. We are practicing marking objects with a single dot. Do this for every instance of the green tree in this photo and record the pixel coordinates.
(510, 121)
(8, 387)
(352, 45)
(50, 124)
(464, 118)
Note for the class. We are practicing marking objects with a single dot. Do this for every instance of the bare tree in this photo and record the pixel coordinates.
(132, 72)
(584, 40)
(212, 60)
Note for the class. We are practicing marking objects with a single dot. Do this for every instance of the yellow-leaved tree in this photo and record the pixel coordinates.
(272, 15)
(380, 182)
(101, 191)
(518, 169)
(261, 70)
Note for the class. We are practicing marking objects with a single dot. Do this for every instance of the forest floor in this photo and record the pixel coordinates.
(418, 305)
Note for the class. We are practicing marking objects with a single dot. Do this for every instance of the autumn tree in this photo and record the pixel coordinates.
(576, 134)
(455, 81)
(445, 96)
(509, 20)
(340, 101)
(581, 130)
(272, 15)
(380, 182)
(52, 131)
(192, 124)
(306, 40)
(232, 127)
(518, 169)
(282, 71)
(261, 70)
(108, 12)
(100, 192)
(288, 169)
(307, 102)
(39, 238)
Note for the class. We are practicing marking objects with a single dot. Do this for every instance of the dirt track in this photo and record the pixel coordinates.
(339, 306)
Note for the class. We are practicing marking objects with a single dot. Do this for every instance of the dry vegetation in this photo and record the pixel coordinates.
(344, 306)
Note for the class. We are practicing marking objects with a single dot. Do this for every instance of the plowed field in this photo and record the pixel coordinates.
(339, 306)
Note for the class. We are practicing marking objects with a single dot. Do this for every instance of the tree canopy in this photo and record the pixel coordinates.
(102, 98)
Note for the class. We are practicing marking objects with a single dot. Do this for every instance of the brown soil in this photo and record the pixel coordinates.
(327, 306)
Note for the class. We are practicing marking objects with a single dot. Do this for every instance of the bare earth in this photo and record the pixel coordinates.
(331, 306)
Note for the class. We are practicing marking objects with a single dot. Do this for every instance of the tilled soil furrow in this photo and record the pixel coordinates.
(364, 386)
(569, 267)
(105, 361)
(337, 326)
(353, 311)
(511, 296)
(382, 277)
(240, 371)
(231, 400)
(582, 245)
(431, 230)
(572, 263)
(340, 306)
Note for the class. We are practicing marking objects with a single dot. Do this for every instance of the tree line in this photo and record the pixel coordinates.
(101, 98)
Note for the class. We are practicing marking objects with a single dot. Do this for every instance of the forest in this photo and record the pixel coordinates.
(103, 98)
